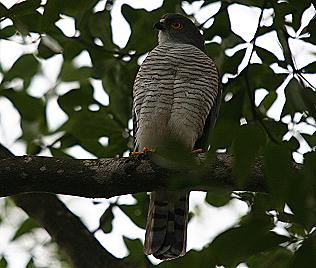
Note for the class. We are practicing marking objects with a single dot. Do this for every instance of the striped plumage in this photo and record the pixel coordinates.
(176, 93)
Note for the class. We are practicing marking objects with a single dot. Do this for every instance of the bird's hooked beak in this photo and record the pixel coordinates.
(160, 25)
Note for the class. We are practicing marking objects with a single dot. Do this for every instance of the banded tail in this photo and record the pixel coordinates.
(166, 230)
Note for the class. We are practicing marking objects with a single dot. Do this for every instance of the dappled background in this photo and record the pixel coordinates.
(67, 70)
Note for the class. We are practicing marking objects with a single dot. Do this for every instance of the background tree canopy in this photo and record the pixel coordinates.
(254, 79)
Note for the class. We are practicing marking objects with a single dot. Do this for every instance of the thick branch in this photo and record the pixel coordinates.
(115, 176)
(75, 240)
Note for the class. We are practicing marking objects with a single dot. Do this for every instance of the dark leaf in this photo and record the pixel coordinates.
(278, 169)
(76, 98)
(3, 10)
(227, 123)
(237, 244)
(106, 220)
(310, 68)
(70, 73)
(305, 257)
(31, 264)
(267, 102)
(277, 258)
(262, 76)
(26, 227)
(136, 254)
(266, 56)
(299, 99)
(138, 212)
(231, 65)
(218, 197)
(140, 19)
(247, 143)
(24, 67)
(56, 152)
(221, 26)
(7, 32)
(30, 108)
(3, 262)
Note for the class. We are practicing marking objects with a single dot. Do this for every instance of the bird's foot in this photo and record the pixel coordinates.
(145, 151)
(197, 151)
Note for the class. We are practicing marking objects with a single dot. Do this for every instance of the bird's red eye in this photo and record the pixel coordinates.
(177, 25)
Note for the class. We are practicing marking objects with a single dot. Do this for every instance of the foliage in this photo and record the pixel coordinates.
(253, 241)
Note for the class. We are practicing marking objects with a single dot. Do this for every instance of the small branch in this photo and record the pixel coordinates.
(116, 176)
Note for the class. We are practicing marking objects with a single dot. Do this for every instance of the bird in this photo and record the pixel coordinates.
(176, 94)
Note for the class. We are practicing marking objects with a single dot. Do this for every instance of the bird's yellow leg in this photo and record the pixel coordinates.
(197, 151)
(146, 150)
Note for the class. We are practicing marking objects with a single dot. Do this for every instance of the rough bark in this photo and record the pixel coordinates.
(117, 176)
(65, 228)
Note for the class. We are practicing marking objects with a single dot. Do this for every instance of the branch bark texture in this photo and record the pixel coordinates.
(116, 176)
(65, 228)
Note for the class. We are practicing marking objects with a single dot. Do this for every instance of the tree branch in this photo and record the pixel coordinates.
(110, 177)
(81, 247)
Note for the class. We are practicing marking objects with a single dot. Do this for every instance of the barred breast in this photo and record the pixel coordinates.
(174, 91)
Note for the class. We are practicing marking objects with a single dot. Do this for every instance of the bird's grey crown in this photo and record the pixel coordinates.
(189, 34)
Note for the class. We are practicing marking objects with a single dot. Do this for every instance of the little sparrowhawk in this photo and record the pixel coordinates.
(176, 95)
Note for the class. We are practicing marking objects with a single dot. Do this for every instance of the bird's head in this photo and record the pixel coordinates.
(174, 27)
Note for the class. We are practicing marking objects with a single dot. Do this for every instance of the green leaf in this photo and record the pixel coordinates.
(228, 122)
(136, 255)
(82, 97)
(249, 139)
(310, 68)
(30, 264)
(7, 32)
(3, 262)
(70, 73)
(30, 108)
(218, 197)
(3, 10)
(305, 257)
(56, 152)
(216, 53)
(26, 227)
(262, 76)
(91, 124)
(139, 20)
(236, 245)
(299, 99)
(277, 258)
(25, 17)
(266, 56)
(193, 258)
(278, 169)
(48, 47)
(253, 3)
(25, 7)
(264, 29)
(277, 129)
(118, 83)
(100, 26)
(221, 26)
(267, 102)
(24, 67)
(231, 65)
(138, 212)
(106, 220)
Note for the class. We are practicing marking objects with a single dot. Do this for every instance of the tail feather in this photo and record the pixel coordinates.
(166, 229)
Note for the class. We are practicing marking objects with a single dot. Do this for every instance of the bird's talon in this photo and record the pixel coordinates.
(145, 151)
(197, 151)
(136, 153)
